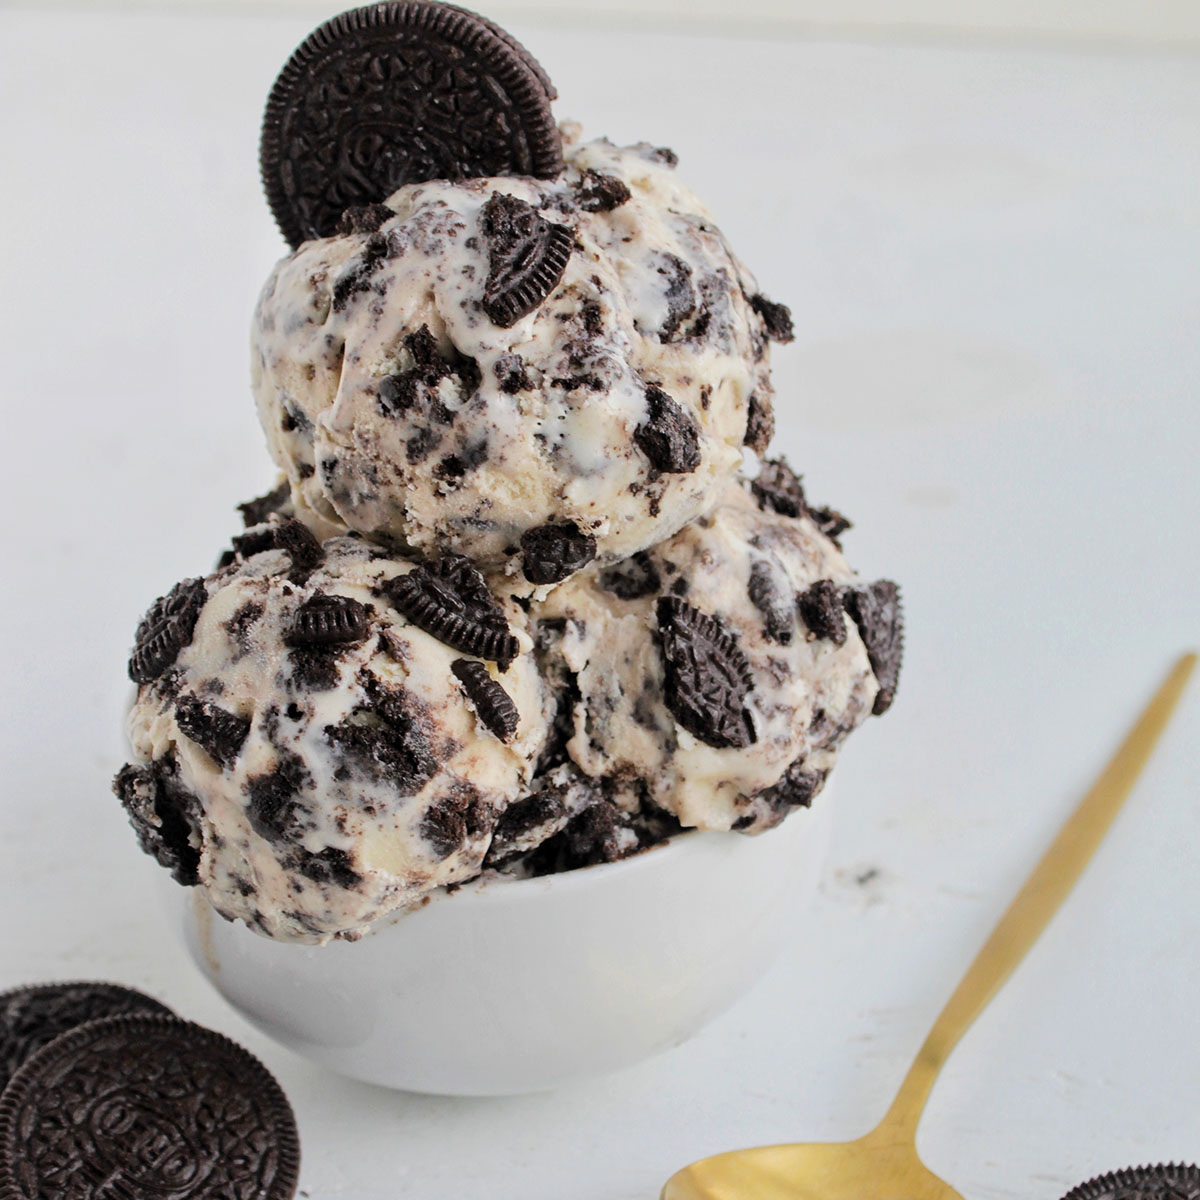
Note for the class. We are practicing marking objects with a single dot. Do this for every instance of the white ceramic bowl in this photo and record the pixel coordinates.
(510, 986)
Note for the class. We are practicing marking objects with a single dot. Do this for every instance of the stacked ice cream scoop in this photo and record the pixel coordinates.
(512, 607)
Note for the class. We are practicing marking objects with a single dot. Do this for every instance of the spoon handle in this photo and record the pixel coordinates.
(1036, 902)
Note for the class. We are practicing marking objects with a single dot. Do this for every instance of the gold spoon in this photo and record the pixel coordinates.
(884, 1164)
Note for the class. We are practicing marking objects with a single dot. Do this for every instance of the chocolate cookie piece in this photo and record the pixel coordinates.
(398, 93)
(821, 608)
(493, 704)
(415, 389)
(831, 523)
(1165, 1181)
(166, 629)
(141, 1105)
(327, 619)
(707, 677)
(632, 579)
(527, 256)
(218, 732)
(678, 292)
(773, 601)
(879, 615)
(355, 278)
(556, 798)
(550, 553)
(164, 815)
(271, 803)
(450, 601)
(776, 317)
(760, 424)
(778, 488)
(364, 218)
(795, 789)
(283, 534)
(668, 437)
(601, 193)
(32, 1017)
(256, 511)
(460, 815)
(391, 747)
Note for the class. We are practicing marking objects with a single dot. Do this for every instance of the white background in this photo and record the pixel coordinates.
(992, 253)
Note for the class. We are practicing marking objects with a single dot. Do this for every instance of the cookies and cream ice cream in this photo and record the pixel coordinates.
(716, 674)
(314, 743)
(511, 610)
(474, 366)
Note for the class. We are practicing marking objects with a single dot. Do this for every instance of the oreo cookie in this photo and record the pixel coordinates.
(632, 578)
(550, 553)
(165, 816)
(364, 218)
(795, 789)
(773, 600)
(327, 619)
(668, 437)
(392, 747)
(32, 1017)
(286, 534)
(707, 677)
(146, 1105)
(527, 256)
(879, 615)
(218, 732)
(493, 704)
(450, 601)
(256, 511)
(399, 93)
(165, 630)
(776, 317)
(821, 607)
(779, 489)
(1165, 1181)
(597, 192)
(760, 424)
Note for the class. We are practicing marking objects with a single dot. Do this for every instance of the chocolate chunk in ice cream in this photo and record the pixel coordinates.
(879, 615)
(708, 676)
(821, 607)
(450, 601)
(527, 256)
(552, 552)
(213, 728)
(165, 630)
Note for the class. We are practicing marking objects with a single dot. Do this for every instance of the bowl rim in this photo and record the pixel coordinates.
(493, 887)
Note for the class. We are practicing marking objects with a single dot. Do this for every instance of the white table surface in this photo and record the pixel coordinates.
(993, 258)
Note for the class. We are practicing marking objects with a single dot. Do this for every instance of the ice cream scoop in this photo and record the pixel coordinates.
(310, 754)
(716, 674)
(535, 373)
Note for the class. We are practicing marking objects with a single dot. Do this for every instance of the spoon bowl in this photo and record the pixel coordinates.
(884, 1165)
(879, 1167)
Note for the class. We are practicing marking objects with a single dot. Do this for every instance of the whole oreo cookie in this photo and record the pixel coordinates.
(32, 1017)
(400, 93)
(146, 1105)
(1166, 1181)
